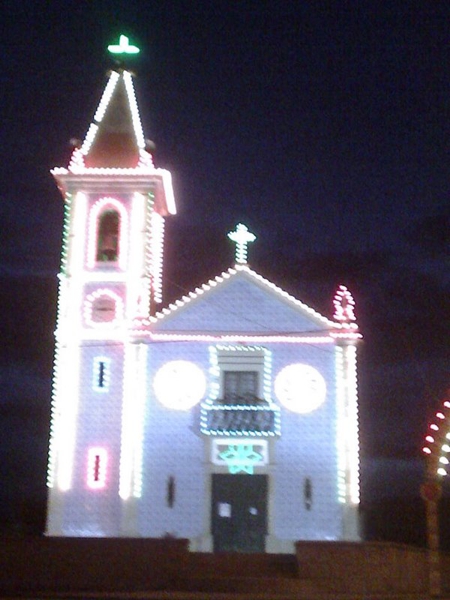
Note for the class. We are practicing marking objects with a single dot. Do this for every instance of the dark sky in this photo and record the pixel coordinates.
(322, 126)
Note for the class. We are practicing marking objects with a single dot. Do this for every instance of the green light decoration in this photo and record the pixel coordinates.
(123, 47)
(241, 457)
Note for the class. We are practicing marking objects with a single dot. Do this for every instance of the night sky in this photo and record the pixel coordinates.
(325, 130)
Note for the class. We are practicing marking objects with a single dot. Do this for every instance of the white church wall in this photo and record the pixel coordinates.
(173, 449)
(306, 454)
(90, 505)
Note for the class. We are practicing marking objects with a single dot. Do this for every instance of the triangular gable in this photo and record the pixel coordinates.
(241, 301)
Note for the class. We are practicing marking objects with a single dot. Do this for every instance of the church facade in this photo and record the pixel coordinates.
(229, 417)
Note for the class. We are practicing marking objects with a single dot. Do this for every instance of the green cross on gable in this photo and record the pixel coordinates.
(123, 47)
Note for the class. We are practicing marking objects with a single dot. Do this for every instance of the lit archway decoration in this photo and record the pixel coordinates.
(103, 308)
(437, 441)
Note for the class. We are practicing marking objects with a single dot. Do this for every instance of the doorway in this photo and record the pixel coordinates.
(239, 512)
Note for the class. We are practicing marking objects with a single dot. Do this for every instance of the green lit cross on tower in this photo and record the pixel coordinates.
(123, 47)
(241, 237)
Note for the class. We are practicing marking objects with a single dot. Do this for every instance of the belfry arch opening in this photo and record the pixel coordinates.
(108, 236)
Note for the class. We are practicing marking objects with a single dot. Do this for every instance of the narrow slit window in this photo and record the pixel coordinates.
(308, 493)
(96, 468)
(101, 375)
(170, 491)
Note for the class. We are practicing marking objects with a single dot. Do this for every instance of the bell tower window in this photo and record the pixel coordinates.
(108, 236)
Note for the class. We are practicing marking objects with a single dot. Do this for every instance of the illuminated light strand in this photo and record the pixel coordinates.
(97, 468)
(255, 276)
(352, 432)
(136, 262)
(139, 415)
(176, 337)
(98, 117)
(344, 305)
(157, 245)
(78, 156)
(151, 174)
(65, 383)
(66, 233)
(107, 95)
(103, 204)
(66, 408)
(128, 80)
(340, 437)
(434, 448)
(133, 409)
(76, 249)
(88, 308)
(348, 335)
(347, 438)
(148, 233)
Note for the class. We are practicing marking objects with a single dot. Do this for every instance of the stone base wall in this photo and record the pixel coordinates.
(96, 564)
(369, 567)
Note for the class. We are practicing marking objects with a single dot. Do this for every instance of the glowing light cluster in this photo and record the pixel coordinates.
(96, 468)
(179, 384)
(104, 204)
(300, 388)
(115, 301)
(241, 237)
(240, 455)
(241, 458)
(344, 305)
(124, 47)
(437, 441)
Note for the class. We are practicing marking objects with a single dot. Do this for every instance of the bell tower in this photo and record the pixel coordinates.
(115, 205)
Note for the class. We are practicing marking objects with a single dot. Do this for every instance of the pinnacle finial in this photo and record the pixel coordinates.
(123, 47)
(241, 237)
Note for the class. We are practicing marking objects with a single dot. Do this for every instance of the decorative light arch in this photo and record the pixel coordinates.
(437, 441)
(89, 306)
(97, 209)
